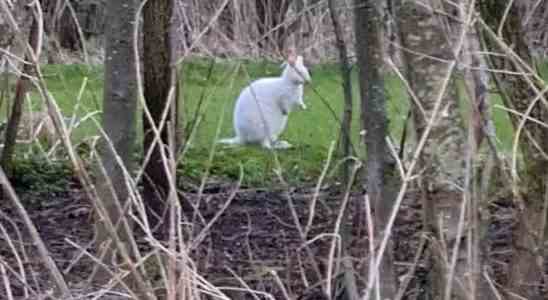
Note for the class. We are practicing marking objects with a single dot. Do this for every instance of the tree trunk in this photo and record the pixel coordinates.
(427, 51)
(61, 27)
(480, 125)
(158, 81)
(271, 16)
(67, 30)
(345, 143)
(119, 108)
(526, 266)
(226, 20)
(381, 174)
(18, 103)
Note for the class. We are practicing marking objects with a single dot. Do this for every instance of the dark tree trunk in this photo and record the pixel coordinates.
(119, 109)
(381, 179)
(21, 89)
(526, 267)
(158, 81)
(271, 16)
(226, 20)
(67, 30)
(60, 22)
(346, 73)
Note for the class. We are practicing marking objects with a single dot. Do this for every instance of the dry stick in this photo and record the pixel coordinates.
(492, 285)
(522, 66)
(206, 174)
(352, 290)
(531, 13)
(204, 31)
(289, 21)
(122, 211)
(245, 285)
(504, 16)
(155, 129)
(15, 254)
(73, 123)
(407, 277)
(79, 30)
(408, 88)
(372, 244)
(42, 249)
(193, 122)
(196, 278)
(77, 257)
(521, 127)
(295, 216)
(523, 115)
(477, 89)
(461, 224)
(280, 284)
(194, 129)
(21, 280)
(449, 284)
(490, 142)
(542, 227)
(333, 114)
(232, 195)
(312, 208)
(132, 186)
(6, 280)
(170, 280)
(116, 278)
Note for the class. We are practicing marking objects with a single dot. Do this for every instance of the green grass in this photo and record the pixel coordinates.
(210, 89)
(311, 131)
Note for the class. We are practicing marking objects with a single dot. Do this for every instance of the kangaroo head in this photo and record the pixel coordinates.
(295, 69)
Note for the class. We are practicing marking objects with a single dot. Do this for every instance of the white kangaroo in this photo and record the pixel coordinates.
(261, 111)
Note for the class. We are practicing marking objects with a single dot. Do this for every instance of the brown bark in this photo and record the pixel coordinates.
(381, 177)
(158, 81)
(480, 128)
(427, 52)
(526, 266)
(346, 73)
(21, 89)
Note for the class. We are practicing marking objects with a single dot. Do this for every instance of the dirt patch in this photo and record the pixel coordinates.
(255, 238)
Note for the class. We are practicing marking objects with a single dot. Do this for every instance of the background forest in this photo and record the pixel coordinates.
(418, 170)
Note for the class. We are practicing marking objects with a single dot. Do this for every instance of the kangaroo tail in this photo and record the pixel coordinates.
(231, 141)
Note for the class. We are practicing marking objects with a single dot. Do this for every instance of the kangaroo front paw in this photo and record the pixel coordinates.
(282, 145)
(266, 144)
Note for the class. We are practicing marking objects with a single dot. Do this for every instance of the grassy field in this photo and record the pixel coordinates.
(210, 88)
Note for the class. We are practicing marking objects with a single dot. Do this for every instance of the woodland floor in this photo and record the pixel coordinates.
(254, 236)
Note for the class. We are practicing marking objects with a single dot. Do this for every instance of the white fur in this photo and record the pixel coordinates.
(261, 111)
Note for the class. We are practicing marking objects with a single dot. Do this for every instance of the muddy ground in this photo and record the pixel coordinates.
(254, 236)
